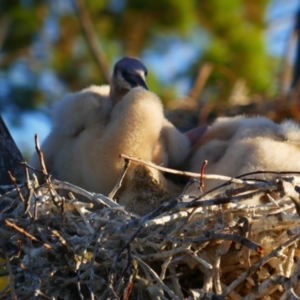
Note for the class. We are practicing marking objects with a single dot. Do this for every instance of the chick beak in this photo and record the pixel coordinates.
(136, 80)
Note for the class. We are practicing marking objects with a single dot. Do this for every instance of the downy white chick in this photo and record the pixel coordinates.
(94, 126)
(239, 145)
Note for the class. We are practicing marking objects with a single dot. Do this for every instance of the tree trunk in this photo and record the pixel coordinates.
(10, 157)
(296, 75)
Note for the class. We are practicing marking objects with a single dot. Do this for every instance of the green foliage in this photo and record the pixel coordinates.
(138, 23)
(235, 28)
(237, 47)
(167, 94)
(23, 22)
(174, 16)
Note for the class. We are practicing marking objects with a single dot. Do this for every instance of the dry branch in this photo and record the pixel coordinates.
(91, 38)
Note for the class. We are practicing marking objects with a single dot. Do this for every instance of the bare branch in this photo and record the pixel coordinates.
(203, 74)
(91, 38)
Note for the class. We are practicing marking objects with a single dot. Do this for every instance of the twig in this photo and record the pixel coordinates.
(92, 197)
(216, 201)
(279, 173)
(202, 173)
(120, 180)
(78, 285)
(203, 74)
(22, 231)
(175, 282)
(166, 264)
(289, 191)
(166, 206)
(234, 295)
(41, 159)
(156, 277)
(39, 293)
(294, 280)
(290, 295)
(189, 174)
(27, 166)
(289, 263)
(199, 259)
(131, 267)
(166, 219)
(44, 169)
(265, 287)
(211, 236)
(30, 193)
(176, 204)
(273, 200)
(276, 252)
(80, 211)
(14, 181)
(253, 184)
(184, 194)
(163, 255)
(110, 286)
(216, 271)
(250, 181)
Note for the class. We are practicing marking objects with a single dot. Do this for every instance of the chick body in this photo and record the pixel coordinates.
(240, 145)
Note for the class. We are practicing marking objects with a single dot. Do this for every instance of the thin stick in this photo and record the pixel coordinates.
(94, 198)
(166, 219)
(156, 277)
(22, 231)
(177, 204)
(207, 236)
(39, 293)
(265, 288)
(276, 252)
(26, 202)
(289, 263)
(290, 191)
(14, 181)
(202, 173)
(120, 180)
(189, 174)
(199, 259)
(258, 183)
(27, 166)
(203, 74)
(41, 158)
(30, 193)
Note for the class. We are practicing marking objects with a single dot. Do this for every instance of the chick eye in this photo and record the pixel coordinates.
(125, 73)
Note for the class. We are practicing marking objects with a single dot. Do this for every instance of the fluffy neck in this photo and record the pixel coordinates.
(116, 93)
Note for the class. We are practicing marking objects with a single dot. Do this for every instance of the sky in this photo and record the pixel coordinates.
(280, 20)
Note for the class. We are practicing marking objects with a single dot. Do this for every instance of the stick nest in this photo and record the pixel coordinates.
(210, 247)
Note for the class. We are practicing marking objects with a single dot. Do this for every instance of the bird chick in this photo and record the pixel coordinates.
(94, 126)
(239, 145)
(129, 72)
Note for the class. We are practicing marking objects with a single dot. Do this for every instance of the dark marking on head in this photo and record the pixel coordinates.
(132, 70)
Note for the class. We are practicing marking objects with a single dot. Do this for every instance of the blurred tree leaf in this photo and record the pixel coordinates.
(130, 27)
(237, 47)
(24, 23)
